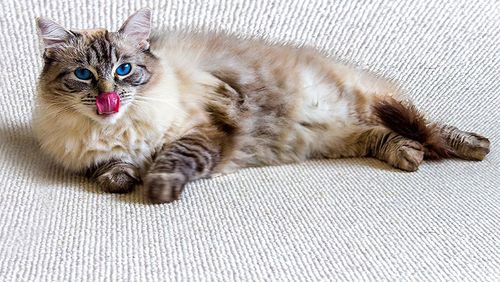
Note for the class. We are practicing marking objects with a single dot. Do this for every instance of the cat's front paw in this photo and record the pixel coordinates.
(119, 179)
(164, 187)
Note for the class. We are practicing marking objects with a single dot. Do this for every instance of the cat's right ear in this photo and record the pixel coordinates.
(51, 33)
(137, 28)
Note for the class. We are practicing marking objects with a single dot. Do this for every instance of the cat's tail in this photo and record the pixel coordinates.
(405, 119)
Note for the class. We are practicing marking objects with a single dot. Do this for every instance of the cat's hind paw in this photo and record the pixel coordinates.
(474, 146)
(407, 155)
(410, 158)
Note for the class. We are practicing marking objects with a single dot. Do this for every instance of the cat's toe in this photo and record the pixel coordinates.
(118, 180)
(475, 147)
(410, 156)
(164, 187)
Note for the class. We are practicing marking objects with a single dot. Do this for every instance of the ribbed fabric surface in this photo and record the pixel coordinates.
(325, 220)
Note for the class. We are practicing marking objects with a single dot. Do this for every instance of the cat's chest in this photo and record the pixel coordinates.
(80, 148)
(134, 142)
(127, 140)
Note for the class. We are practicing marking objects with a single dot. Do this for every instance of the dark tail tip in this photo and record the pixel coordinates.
(407, 121)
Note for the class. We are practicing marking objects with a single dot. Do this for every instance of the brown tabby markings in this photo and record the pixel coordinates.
(200, 104)
(361, 104)
(465, 145)
(191, 157)
(115, 176)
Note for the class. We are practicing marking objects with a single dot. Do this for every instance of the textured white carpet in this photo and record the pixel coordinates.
(321, 220)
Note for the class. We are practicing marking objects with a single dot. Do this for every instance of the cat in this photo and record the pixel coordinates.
(163, 108)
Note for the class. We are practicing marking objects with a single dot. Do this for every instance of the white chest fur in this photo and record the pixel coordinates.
(78, 145)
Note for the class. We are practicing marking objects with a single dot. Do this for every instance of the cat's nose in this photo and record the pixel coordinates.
(107, 103)
(105, 85)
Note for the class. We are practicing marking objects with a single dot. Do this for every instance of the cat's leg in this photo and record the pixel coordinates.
(408, 154)
(191, 157)
(390, 147)
(465, 145)
(116, 176)
(439, 141)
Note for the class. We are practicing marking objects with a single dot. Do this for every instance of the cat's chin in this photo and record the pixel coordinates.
(107, 119)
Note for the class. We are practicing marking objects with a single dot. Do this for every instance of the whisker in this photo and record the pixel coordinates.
(170, 105)
(142, 98)
(58, 109)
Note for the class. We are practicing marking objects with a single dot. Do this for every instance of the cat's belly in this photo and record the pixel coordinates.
(333, 106)
(322, 115)
(315, 129)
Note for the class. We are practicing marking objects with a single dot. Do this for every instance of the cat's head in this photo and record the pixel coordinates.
(95, 73)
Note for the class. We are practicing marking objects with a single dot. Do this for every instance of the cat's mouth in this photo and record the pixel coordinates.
(107, 103)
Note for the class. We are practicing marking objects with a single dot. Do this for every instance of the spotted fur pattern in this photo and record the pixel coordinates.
(196, 105)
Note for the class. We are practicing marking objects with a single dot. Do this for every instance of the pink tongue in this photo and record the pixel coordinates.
(107, 103)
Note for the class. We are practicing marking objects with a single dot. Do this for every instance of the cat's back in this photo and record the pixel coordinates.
(212, 51)
(255, 60)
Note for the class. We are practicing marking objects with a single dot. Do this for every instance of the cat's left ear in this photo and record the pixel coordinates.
(52, 34)
(137, 28)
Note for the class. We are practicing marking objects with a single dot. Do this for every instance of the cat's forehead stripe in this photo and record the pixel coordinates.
(100, 53)
(92, 34)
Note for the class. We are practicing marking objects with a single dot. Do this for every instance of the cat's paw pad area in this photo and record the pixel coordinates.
(164, 187)
(475, 146)
(409, 156)
(119, 179)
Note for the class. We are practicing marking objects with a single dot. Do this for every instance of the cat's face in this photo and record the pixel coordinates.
(96, 73)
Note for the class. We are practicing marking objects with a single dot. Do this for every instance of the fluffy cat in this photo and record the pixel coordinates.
(162, 109)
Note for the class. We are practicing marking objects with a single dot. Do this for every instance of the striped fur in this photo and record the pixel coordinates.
(115, 176)
(193, 156)
(196, 105)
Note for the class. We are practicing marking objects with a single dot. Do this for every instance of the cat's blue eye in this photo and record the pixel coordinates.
(123, 69)
(83, 74)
